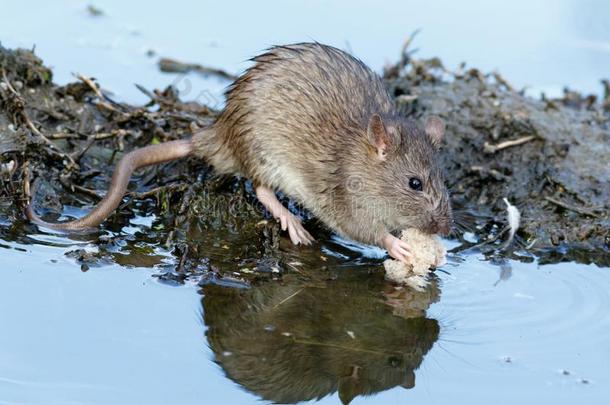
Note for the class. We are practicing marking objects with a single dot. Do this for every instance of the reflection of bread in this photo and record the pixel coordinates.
(409, 302)
(427, 252)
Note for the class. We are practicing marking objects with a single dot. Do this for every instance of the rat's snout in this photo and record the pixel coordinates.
(444, 229)
(441, 227)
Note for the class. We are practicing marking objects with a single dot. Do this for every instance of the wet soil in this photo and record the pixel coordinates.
(554, 169)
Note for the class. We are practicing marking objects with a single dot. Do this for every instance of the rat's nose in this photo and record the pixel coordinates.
(443, 229)
(439, 227)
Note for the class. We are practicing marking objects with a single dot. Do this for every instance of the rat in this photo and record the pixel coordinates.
(317, 124)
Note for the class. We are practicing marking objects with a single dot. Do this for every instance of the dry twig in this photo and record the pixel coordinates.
(489, 148)
(173, 66)
(582, 211)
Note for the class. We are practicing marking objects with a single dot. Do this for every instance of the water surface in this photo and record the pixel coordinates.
(117, 335)
(542, 45)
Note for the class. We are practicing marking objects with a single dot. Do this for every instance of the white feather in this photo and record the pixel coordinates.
(513, 216)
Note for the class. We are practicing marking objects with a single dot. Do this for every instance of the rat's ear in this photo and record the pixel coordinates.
(435, 129)
(379, 136)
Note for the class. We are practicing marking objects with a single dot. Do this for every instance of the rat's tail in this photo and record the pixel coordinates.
(149, 155)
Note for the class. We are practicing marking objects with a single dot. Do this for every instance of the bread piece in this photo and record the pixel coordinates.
(427, 252)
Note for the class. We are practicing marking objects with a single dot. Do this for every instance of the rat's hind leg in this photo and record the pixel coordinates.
(297, 233)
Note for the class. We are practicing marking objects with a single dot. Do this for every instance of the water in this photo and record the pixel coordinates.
(542, 45)
(334, 329)
(116, 335)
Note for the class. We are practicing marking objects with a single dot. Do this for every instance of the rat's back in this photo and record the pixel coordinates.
(296, 106)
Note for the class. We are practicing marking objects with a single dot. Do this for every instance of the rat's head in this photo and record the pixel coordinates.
(410, 178)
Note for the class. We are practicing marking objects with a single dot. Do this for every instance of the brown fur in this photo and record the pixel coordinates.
(298, 121)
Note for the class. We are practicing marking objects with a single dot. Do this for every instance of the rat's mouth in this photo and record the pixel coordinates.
(437, 227)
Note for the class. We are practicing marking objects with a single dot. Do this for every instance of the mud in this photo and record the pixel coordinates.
(71, 136)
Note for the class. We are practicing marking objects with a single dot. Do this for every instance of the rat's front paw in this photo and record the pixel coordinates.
(398, 249)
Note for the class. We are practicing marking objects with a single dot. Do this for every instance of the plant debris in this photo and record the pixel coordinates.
(94, 11)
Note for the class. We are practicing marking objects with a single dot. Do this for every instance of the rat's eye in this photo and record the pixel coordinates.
(415, 184)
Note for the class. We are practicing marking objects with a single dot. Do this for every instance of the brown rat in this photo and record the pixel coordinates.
(317, 124)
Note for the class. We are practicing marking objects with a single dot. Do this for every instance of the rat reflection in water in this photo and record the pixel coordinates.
(295, 341)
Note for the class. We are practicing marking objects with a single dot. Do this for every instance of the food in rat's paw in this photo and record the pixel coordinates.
(427, 252)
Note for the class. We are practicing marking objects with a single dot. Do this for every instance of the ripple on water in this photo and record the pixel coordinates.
(56, 240)
(552, 299)
(540, 320)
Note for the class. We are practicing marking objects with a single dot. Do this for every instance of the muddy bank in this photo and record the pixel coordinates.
(553, 168)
